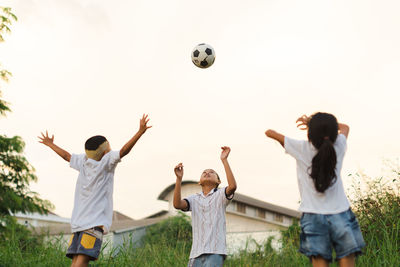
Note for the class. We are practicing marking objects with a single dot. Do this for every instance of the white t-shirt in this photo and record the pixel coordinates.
(208, 222)
(334, 199)
(93, 204)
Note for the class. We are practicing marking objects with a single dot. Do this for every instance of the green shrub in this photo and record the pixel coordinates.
(171, 231)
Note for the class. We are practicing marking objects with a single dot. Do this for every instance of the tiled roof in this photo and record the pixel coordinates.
(243, 199)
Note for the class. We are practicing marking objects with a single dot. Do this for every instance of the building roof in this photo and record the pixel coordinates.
(157, 214)
(265, 205)
(118, 216)
(171, 187)
(120, 223)
(117, 226)
(243, 199)
(49, 217)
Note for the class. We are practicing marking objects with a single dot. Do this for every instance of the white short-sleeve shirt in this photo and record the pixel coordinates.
(208, 222)
(93, 203)
(334, 199)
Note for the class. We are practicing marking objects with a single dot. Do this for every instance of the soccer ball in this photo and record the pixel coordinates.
(203, 56)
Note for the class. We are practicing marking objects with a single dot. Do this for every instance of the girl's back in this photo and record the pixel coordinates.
(333, 199)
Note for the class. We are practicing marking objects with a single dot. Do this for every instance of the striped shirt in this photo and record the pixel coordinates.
(208, 222)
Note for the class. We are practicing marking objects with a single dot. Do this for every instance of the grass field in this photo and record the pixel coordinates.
(376, 203)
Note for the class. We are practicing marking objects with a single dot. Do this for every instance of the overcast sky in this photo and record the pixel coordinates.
(88, 67)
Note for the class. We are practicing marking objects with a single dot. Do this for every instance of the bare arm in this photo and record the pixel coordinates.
(129, 145)
(46, 140)
(179, 203)
(276, 136)
(344, 129)
(229, 175)
(302, 124)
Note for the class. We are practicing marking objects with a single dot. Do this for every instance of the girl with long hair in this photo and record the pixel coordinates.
(327, 221)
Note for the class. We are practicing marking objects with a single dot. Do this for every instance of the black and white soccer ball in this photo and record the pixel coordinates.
(203, 56)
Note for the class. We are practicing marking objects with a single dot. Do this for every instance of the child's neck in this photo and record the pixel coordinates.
(207, 188)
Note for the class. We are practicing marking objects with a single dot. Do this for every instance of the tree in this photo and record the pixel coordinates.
(15, 171)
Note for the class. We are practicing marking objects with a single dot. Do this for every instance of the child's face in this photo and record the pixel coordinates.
(209, 177)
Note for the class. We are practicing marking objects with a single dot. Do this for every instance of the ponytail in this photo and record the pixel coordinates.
(322, 133)
(323, 166)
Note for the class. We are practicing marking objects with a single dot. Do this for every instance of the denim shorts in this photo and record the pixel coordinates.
(86, 242)
(207, 260)
(322, 232)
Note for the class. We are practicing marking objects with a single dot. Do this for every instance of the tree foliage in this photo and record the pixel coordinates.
(15, 171)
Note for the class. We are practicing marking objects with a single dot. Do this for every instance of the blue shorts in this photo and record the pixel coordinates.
(86, 242)
(207, 260)
(321, 232)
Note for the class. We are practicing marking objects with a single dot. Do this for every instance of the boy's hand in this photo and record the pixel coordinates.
(143, 124)
(225, 152)
(302, 122)
(45, 139)
(179, 171)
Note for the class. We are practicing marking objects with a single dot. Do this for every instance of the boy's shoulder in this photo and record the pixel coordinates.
(213, 195)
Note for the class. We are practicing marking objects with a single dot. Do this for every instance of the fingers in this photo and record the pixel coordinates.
(144, 120)
(302, 123)
(145, 123)
(302, 117)
(144, 117)
(179, 166)
(302, 126)
(45, 138)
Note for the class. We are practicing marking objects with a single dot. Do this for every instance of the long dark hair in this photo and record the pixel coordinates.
(322, 133)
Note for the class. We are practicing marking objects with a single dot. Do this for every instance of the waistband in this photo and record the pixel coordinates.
(98, 228)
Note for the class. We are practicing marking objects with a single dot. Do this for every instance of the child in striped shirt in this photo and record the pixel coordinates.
(208, 214)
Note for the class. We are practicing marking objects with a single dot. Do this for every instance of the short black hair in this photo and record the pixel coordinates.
(94, 142)
(218, 180)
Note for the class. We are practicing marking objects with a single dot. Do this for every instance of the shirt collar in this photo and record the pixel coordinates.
(209, 193)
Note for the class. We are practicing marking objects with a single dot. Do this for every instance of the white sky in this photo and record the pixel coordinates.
(89, 67)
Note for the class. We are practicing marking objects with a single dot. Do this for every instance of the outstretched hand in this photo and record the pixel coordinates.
(179, 171)
(143, 123)
(45, 139)
(302, 122)
(225, 152)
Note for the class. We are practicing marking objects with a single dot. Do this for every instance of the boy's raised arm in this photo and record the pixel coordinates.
(179, 203)
(46, 140)
(229, 175)
(142, 129)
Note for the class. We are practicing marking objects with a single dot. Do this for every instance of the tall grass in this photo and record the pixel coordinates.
(376, 203)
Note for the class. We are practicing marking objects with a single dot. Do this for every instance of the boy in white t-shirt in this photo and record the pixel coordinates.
(208, 214)
(93, 203)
